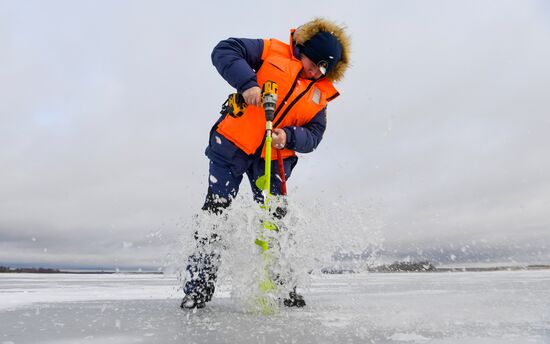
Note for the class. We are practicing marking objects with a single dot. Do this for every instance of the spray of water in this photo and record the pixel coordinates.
(312, 238)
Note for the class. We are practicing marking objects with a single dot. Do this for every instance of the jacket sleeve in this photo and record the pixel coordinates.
(237, 60)
(306, 138)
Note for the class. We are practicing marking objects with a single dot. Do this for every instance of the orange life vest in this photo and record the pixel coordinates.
(299, 100)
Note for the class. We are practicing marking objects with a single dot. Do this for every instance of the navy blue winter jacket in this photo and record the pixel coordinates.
(237, 59)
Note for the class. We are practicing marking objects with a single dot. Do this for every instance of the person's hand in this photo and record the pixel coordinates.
(279, 138)
(252, 96)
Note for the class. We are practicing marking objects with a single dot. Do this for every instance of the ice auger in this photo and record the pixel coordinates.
(267, 285)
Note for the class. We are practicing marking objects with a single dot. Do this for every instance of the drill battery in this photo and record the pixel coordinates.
(234, 106)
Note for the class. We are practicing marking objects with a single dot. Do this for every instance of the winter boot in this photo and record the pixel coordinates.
(294, 300)
(199, 296)
(201, 279)
(191, 301)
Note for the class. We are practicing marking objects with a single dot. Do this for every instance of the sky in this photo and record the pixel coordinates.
(441, 127)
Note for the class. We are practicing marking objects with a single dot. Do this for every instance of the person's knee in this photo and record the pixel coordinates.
(215, 204)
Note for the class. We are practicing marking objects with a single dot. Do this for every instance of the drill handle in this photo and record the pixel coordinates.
(234, 106)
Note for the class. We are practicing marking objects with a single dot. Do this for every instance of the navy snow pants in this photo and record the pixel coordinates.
(228, 165)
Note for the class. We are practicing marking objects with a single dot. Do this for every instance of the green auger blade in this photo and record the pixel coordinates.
(266, 302)
(266, 305)
(263, 244)
(261, 182)
(267, 285)
(270, 225)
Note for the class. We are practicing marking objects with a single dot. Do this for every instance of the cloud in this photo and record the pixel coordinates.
(442, 123)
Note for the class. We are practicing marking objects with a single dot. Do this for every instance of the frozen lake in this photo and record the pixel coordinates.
(469, 307)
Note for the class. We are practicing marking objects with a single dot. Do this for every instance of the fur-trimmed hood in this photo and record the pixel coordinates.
(309, 29)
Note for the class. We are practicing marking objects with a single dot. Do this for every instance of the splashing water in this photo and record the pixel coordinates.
(310, 239)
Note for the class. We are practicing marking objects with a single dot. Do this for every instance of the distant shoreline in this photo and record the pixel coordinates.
(433, 269)
(379, 269)
(4, 269)
(494, 268)
(91, 272)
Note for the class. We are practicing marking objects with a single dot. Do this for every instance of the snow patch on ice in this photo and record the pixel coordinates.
(112, 339)
(36, 288)
(409, 337)
(338, 321)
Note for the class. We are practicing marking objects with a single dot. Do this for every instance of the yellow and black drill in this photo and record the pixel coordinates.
(234, 106)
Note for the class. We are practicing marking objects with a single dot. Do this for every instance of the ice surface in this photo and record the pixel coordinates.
(465, 307)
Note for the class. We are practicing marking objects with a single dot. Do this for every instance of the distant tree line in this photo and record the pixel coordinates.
(406, 267)
(4, 269)
(422, 266)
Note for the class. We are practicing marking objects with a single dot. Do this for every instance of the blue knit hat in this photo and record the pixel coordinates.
(323, 49)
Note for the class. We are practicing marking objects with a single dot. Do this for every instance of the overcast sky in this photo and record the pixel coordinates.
(443, 125)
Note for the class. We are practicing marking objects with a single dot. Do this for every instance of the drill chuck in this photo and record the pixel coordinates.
(270, 100)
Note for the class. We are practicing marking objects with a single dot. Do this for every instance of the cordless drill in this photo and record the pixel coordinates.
(269, 99)
(235, 105)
